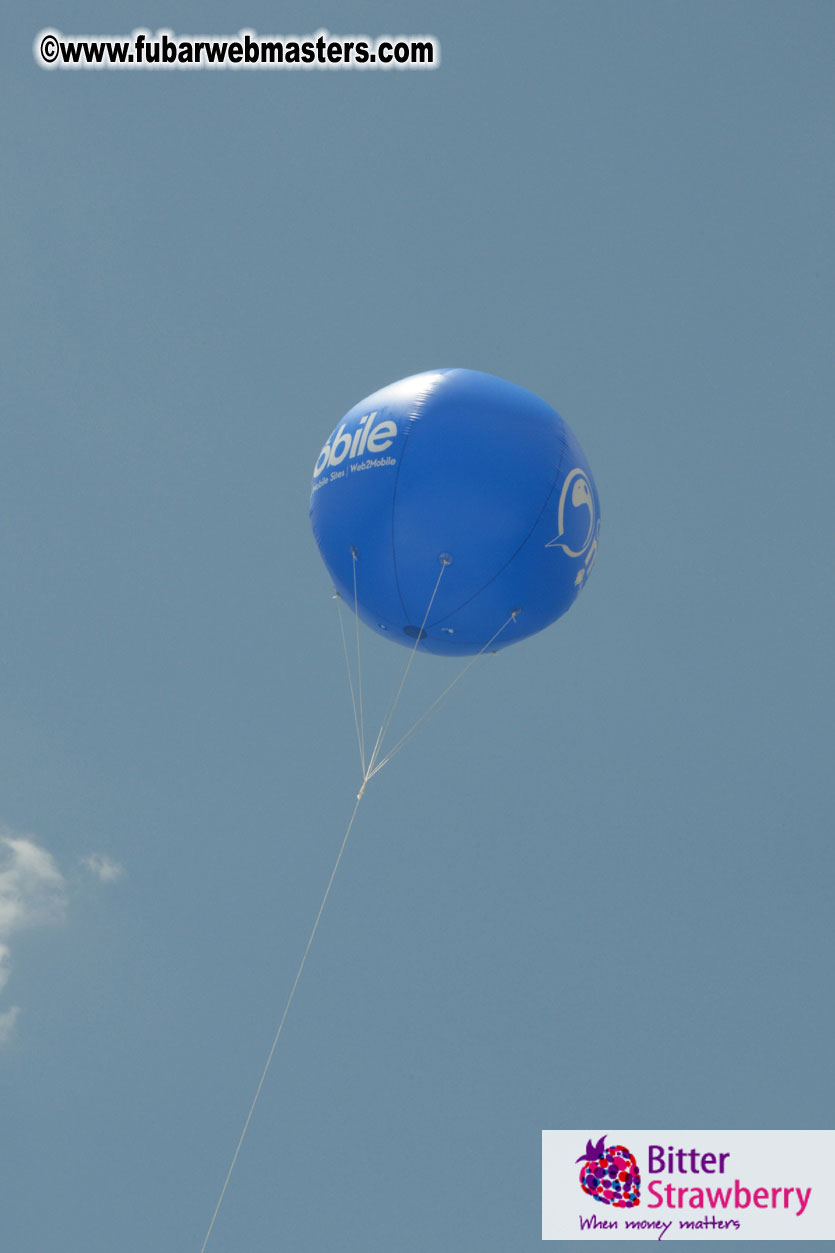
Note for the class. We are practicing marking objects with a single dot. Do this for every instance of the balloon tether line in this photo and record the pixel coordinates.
(445, 561)
(360, 794)
(359, 665)
(357, 714)
(283, 1018)
(433, 708)
(372, 768)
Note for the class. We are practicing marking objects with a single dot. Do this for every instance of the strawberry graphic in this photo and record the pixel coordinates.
(610, 1175)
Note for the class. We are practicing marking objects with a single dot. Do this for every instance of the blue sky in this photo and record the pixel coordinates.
(596, 891)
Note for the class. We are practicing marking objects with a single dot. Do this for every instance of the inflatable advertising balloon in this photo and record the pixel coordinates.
(460, 494)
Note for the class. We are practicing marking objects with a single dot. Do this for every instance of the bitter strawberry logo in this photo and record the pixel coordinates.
(610, 1175)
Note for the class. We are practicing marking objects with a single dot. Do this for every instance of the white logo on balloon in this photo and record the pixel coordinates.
(577, 494)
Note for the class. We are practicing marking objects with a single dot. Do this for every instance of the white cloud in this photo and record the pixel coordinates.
(7, 1023)
(4, 965)
(32, 894)
(104, 867)
(32, 888)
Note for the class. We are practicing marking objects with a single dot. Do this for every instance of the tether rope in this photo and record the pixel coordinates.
(445, 561)
(374, 765)
(359, 662)
(357, 723)
(281, 1024)
(434, 707)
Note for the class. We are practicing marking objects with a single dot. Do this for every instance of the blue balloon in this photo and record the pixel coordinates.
(460, 484)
